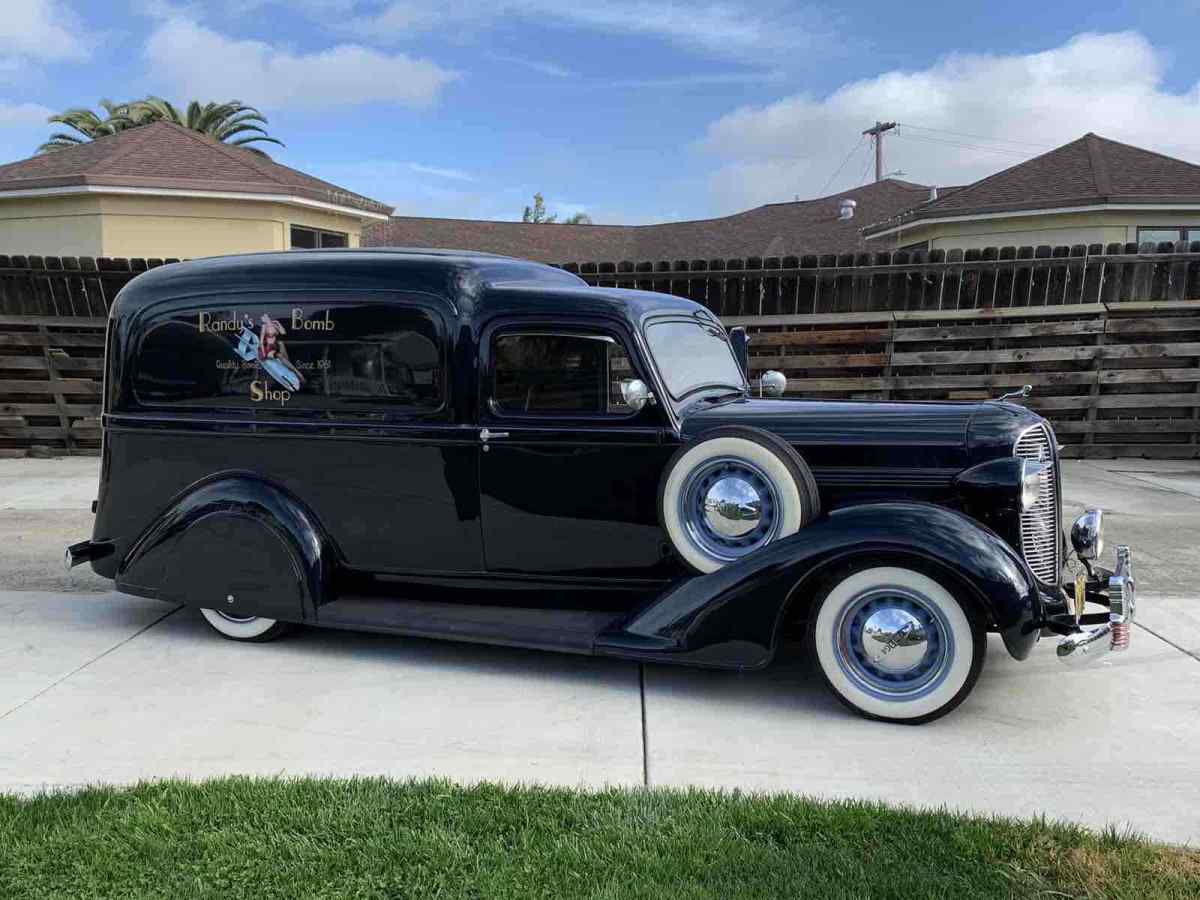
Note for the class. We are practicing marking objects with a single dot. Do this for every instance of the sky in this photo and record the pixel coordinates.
(634, 111)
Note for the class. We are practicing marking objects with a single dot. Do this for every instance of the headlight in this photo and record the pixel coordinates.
(1032, 477)
(1087, 534)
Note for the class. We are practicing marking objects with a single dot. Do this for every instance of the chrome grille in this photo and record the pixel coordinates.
(1040, 539)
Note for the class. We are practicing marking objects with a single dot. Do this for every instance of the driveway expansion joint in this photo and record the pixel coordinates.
(82, 666)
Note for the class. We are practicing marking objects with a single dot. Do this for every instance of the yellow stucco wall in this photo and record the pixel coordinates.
(1099, 227)
(70, 225)
(144, 226)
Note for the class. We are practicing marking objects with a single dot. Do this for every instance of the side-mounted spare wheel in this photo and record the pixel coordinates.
(895, 644)
(732, 492)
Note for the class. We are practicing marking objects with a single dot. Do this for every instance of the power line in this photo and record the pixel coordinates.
(862, 179)
(836, 171)
(978, 137)
(1019, 154)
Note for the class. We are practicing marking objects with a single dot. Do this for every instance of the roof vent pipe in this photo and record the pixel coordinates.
(846, 209)
(933, 193)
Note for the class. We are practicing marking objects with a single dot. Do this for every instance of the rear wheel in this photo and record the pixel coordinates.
(254, 629)
(895, 644)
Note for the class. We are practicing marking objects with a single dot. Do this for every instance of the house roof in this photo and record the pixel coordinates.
(1090, 171)
(776, 229)
(166, 157)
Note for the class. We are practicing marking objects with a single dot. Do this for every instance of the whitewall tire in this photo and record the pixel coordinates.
(732, 493)
(250, 628)
(895, 644)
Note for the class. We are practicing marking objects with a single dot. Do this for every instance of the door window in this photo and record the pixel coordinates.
(559, 374)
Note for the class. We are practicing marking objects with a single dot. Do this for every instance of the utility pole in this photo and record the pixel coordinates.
(876, 134)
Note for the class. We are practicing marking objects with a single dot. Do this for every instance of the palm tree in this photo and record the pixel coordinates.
(232, 122)
(88, 125)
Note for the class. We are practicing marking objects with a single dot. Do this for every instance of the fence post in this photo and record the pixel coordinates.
(789, 285)
(807, 285)
(716, 287)
(1093, 410)
(60, 402)
(770, 288)
(734, 289)
(644, 284)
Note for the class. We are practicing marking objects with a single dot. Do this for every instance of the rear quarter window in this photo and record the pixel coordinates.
(378, 359)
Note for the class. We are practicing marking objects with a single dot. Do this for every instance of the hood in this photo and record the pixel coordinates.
(902, 443)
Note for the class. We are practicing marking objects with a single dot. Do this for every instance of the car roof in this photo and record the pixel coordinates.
(489, 283)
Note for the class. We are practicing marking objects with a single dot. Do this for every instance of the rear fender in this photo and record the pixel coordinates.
(237, 543)
(732, 618)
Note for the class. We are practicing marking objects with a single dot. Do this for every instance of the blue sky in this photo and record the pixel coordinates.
(633, 110)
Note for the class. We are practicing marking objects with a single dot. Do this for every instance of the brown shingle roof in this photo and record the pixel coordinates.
(777, 229)
(1085, 172)
(168, 156)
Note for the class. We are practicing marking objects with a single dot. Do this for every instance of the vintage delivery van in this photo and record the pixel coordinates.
(465, 446)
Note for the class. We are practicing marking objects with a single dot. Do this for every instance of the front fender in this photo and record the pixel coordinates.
(732, 617)
(234, 535)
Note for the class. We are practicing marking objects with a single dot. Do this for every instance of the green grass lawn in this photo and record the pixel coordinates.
(241, 837)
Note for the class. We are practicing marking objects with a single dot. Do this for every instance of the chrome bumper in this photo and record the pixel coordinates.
(1090, 644)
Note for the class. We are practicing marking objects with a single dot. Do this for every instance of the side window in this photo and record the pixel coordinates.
(559, 374)
(369, 358)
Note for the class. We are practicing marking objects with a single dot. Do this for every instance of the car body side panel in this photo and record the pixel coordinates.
(732, 617)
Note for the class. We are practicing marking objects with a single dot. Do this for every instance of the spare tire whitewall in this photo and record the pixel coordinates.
(733, 492)
(895, 644)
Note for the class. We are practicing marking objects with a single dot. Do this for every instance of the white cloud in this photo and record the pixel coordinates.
(438, 171)
(23, 114)
(197, 61)
(720, 27)
(1111, 84)
(45, 30)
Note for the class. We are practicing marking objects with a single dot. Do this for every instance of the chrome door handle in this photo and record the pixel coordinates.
(486, 435)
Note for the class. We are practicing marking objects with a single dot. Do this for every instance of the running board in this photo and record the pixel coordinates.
(564, 631)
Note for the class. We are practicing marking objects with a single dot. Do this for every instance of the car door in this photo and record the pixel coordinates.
(568, 471)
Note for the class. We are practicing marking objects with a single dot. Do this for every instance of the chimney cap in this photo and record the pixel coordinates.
(846, 208)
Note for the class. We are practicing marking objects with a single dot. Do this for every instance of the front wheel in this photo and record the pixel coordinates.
(896, 645)
(256, 629)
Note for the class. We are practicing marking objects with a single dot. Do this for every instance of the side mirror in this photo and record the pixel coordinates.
(741, 344)
(635, 393)
(773, 383)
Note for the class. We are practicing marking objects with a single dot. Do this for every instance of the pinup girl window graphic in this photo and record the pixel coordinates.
(266, 349)
(271, 348)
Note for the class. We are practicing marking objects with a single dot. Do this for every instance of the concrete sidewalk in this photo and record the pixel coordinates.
(104, 687)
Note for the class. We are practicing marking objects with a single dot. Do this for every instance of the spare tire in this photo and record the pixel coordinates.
(732, 492)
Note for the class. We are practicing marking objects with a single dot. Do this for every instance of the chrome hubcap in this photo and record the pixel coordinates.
(894, 640)
(894, 643)
(732, 507)
(729, 508)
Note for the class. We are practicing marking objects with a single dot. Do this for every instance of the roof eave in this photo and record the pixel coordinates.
(1008, 211)
(64, 185)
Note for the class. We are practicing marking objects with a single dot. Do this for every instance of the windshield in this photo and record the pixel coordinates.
(693, 355)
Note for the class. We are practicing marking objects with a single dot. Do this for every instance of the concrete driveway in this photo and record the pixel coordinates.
(98, 686)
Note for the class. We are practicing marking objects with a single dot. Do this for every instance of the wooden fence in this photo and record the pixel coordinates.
(1109, 340)
(1115, 379)
(65, 285)
(988, 278)
(50, 375)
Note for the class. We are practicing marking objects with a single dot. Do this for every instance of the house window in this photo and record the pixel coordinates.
(312, 238)
(1156, 234)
